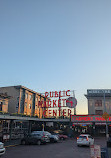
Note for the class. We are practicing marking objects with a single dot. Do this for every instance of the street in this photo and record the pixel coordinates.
(63, 149)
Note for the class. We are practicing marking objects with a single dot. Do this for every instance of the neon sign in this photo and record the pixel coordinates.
(57, 94)
(88, 118)
(61, 99)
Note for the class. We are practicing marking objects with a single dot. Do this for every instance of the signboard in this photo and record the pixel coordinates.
(82, 123)
(57, 104)
(88, 118)
(98, 91)
(100, 123)
(95, 151)
(105, 116)
(6, 137)
(71, 102)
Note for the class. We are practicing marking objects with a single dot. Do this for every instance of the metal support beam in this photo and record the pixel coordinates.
(106, 120)
(10, 130)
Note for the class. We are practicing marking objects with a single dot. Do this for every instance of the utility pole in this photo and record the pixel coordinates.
(59, 106)
(106, 119)
(74, 107)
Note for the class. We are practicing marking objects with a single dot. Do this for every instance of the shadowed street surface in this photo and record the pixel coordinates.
(63, 149)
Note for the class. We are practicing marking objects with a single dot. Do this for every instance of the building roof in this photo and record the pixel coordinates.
(30, 90)
(20, 86)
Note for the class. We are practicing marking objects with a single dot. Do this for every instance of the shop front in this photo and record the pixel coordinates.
(12, 130)
(92, 124)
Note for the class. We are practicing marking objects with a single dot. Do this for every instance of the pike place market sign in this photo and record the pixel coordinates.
(58, 103)
(89, 118)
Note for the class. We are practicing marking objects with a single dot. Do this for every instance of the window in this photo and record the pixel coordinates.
(4, 102)
(29, 106)
(26, 105)
(90, 103)
(83, 137)
(0, 107)
(36, 107)
(90, 137)
(30, 97)
(36, 99)
(107, 105)
(26, 95)
(98, 103)
(99, 112)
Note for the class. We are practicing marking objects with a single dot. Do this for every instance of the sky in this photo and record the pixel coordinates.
(52, 45)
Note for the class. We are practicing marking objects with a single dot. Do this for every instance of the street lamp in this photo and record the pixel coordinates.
(106, 119)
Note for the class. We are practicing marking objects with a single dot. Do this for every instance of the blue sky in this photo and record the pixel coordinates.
(49, 45)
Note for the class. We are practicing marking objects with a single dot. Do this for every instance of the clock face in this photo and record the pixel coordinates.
(71, 102)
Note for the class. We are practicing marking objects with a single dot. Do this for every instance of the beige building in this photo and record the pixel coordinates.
(99, 101)
(24, 100)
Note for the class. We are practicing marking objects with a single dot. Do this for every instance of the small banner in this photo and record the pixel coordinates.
(95, 151)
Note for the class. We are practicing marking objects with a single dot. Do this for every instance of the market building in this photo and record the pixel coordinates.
(93, 124)
(99, 101)
(24, 100)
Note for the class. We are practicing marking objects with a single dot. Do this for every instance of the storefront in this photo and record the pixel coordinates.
(17, 130)
(92, 124)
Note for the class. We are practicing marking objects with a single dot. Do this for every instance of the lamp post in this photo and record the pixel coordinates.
(74, 107)
(106, 119)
